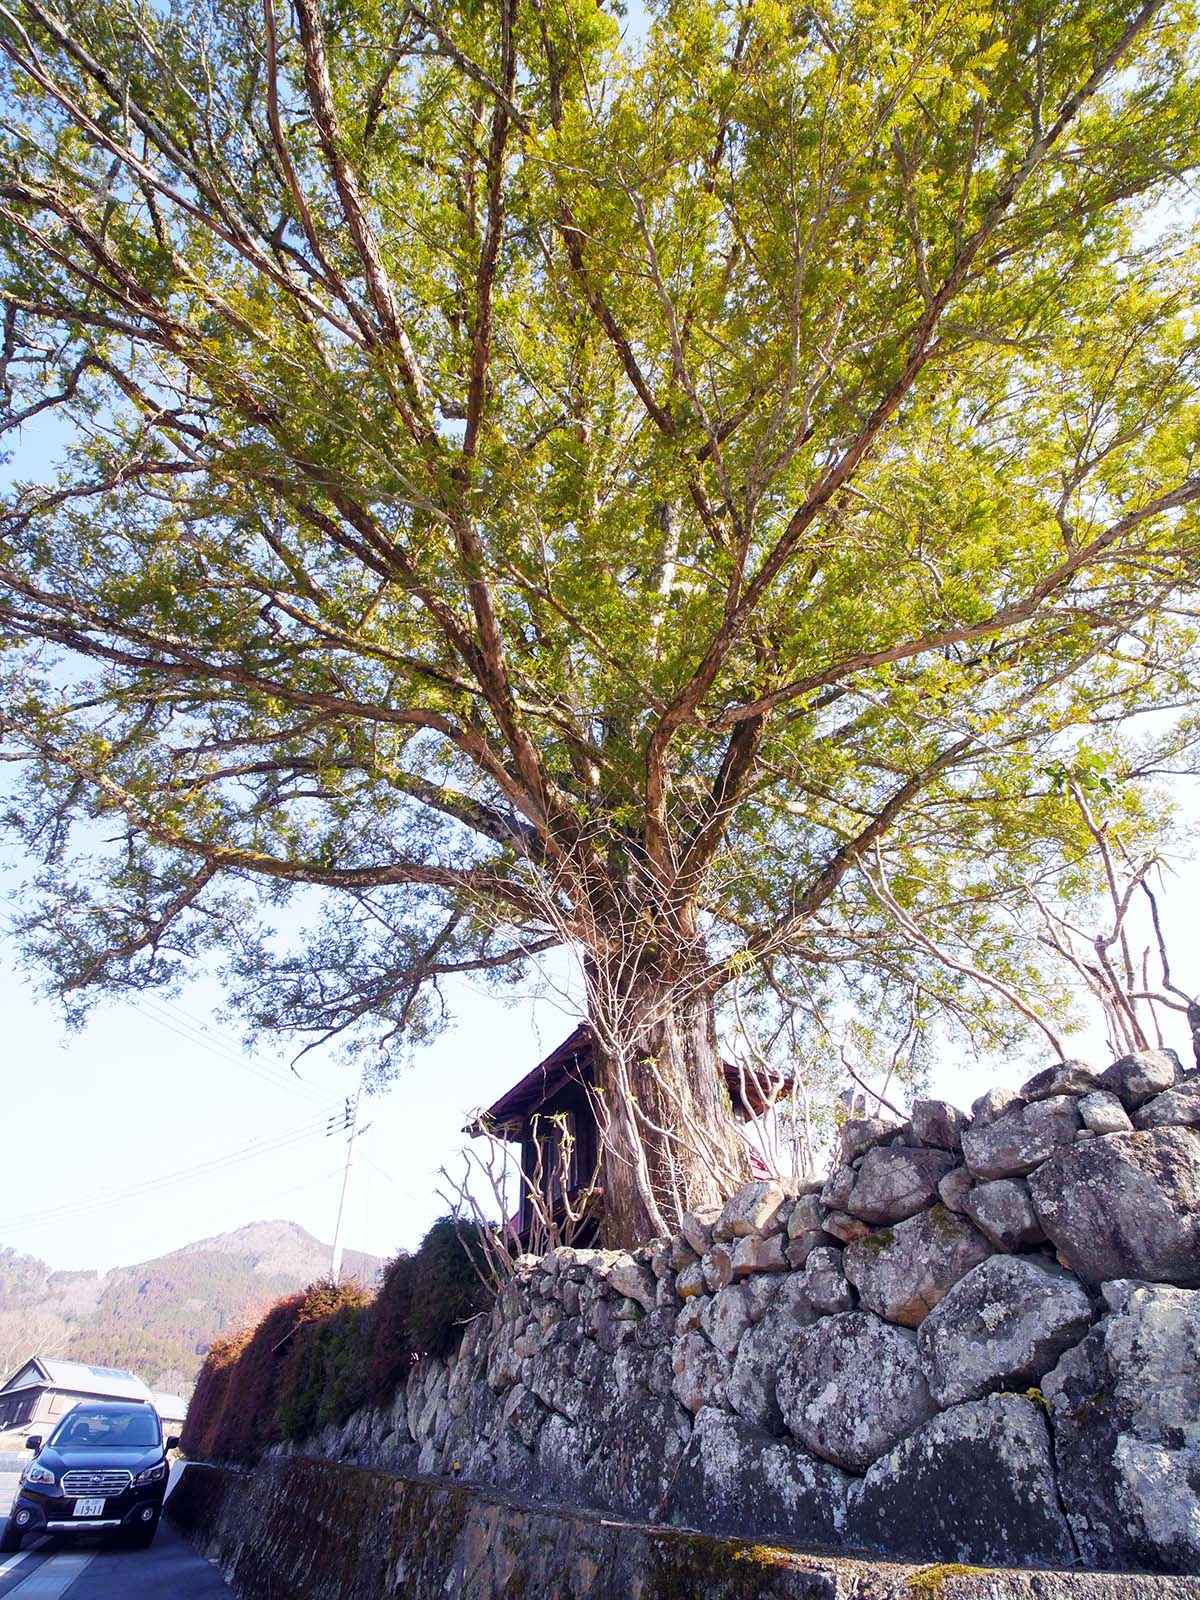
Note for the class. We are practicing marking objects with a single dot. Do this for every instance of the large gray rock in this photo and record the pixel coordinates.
(697, 1227)
(1174, 1108)
(974, 1485)
(635, 1457)
(841, 1225)
(1001, 1327)
(755, 1254)
(838, 1187)
(824, 1282)
(1003, 1212)
(1021, 1137)
(750, 1389)
(939, 1124)
(716, 1267)
(735, 1476)
(1125, 1206)
(901, 1273)
(691, 1282)
(1126, 1410)
(897, 1182)
(751, 1386)
(679, 1254)
(1064, 1077)
(524, 1414)
(552, 1375)
(861, 1134)
(805, 1216)
(754, 1208)
(851, 1387)
(632, 1281)
(699, 1372)
(802, 1246)
(1102, 1112)
(954, 1189)
(990, 1104)
(726, 1318)
(561, 1460)
(1137, 1078)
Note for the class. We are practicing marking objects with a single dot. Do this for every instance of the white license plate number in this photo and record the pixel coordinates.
(89, 1508)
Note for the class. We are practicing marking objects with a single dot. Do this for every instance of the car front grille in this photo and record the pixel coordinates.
(84, 1483)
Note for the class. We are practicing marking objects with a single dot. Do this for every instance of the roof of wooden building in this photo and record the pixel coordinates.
(571, 1061)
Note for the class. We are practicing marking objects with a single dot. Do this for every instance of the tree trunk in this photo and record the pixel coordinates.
(669, 1139)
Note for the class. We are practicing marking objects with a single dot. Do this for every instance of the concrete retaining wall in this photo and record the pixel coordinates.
(299, 1529)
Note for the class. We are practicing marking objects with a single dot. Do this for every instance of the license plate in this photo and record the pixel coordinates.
(89, 1508)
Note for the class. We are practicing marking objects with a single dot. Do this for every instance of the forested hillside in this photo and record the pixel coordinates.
(157, 1318)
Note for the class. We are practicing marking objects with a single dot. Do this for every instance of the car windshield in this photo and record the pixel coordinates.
(108, 1430)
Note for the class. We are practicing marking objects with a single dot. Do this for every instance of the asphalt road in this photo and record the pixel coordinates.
(88, 1569)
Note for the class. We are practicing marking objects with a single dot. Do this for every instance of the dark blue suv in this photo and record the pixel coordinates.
(104, 1470)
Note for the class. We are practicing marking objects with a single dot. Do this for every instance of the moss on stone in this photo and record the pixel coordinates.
(426, 1525)
(698, 1567)
(927, 1583)
(879, 1240)
(944, 1220)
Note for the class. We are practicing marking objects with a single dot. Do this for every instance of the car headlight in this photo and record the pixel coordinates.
(35, 1474)
(152, 1474)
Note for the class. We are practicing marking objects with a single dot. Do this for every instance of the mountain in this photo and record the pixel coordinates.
(158, 1317)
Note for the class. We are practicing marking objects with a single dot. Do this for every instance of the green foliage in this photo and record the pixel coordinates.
(449, 1286)
(929, 1582)
(391, 1349)
(322, 1376)
(317, 1356)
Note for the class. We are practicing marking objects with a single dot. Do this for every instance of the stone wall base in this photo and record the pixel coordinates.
(298, 1528)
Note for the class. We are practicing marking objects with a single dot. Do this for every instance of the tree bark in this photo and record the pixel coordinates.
(669, 1140)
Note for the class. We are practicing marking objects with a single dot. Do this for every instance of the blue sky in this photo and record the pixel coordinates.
(105, 1126)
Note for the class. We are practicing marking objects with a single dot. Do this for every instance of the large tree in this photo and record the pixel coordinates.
(535, 485)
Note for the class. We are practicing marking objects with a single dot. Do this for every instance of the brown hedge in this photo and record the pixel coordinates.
(317, 1356)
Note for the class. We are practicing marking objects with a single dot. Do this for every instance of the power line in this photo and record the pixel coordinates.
(198, 1034)
(181, 1175)
(196, 1030)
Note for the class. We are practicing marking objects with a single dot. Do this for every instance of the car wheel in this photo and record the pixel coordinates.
(10, 1539)
(142, 1537)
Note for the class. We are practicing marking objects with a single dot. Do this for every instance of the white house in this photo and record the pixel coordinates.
(43, 1390)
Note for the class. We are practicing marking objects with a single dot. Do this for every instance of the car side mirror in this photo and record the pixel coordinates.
(172, 1443)
(34, 1442)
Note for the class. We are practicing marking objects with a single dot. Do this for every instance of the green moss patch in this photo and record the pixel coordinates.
(697, 1567)
(927, 1583)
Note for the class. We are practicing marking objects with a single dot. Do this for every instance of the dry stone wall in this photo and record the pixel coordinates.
(977, 1340)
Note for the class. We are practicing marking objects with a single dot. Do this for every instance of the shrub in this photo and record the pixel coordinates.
(322, 1373)
(317, 1356)
(344, 1350)
(447, 1286)
(246, 1421)
(390, 1344)
(199, 1436)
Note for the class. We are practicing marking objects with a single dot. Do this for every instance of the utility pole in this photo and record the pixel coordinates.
(349, 1122)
